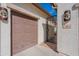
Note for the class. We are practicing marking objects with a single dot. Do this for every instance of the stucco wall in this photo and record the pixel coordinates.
(68, 38)
(5, 35)
(5, 28)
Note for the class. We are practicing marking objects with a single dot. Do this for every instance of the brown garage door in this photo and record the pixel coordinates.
(24, 32)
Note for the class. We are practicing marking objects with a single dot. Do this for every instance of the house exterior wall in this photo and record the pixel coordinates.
(68, 41)
(5, 35)
(6, 29)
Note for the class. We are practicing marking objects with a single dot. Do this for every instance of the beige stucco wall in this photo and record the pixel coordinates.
(5, 27)
(68, 41)
(5, 35)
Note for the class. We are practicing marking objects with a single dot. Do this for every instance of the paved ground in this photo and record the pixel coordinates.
(39, 50)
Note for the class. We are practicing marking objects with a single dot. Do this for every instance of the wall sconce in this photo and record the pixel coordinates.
(67, 15)
(3, 13)
(66, 19)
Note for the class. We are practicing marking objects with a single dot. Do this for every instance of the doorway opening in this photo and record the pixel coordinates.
(51, 30)
(51, 40)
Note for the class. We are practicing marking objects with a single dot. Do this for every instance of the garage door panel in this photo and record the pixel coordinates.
(24, 32)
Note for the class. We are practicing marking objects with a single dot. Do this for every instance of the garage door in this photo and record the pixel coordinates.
(24, 32)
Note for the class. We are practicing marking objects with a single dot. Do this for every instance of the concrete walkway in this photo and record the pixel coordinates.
(38, 50)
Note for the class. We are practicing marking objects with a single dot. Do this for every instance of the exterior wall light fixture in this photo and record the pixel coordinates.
(3, 13)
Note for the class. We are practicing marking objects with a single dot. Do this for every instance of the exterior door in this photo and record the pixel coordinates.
(24, 32)
(52, 30)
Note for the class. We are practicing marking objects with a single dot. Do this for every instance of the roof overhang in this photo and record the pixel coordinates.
(46, 8)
